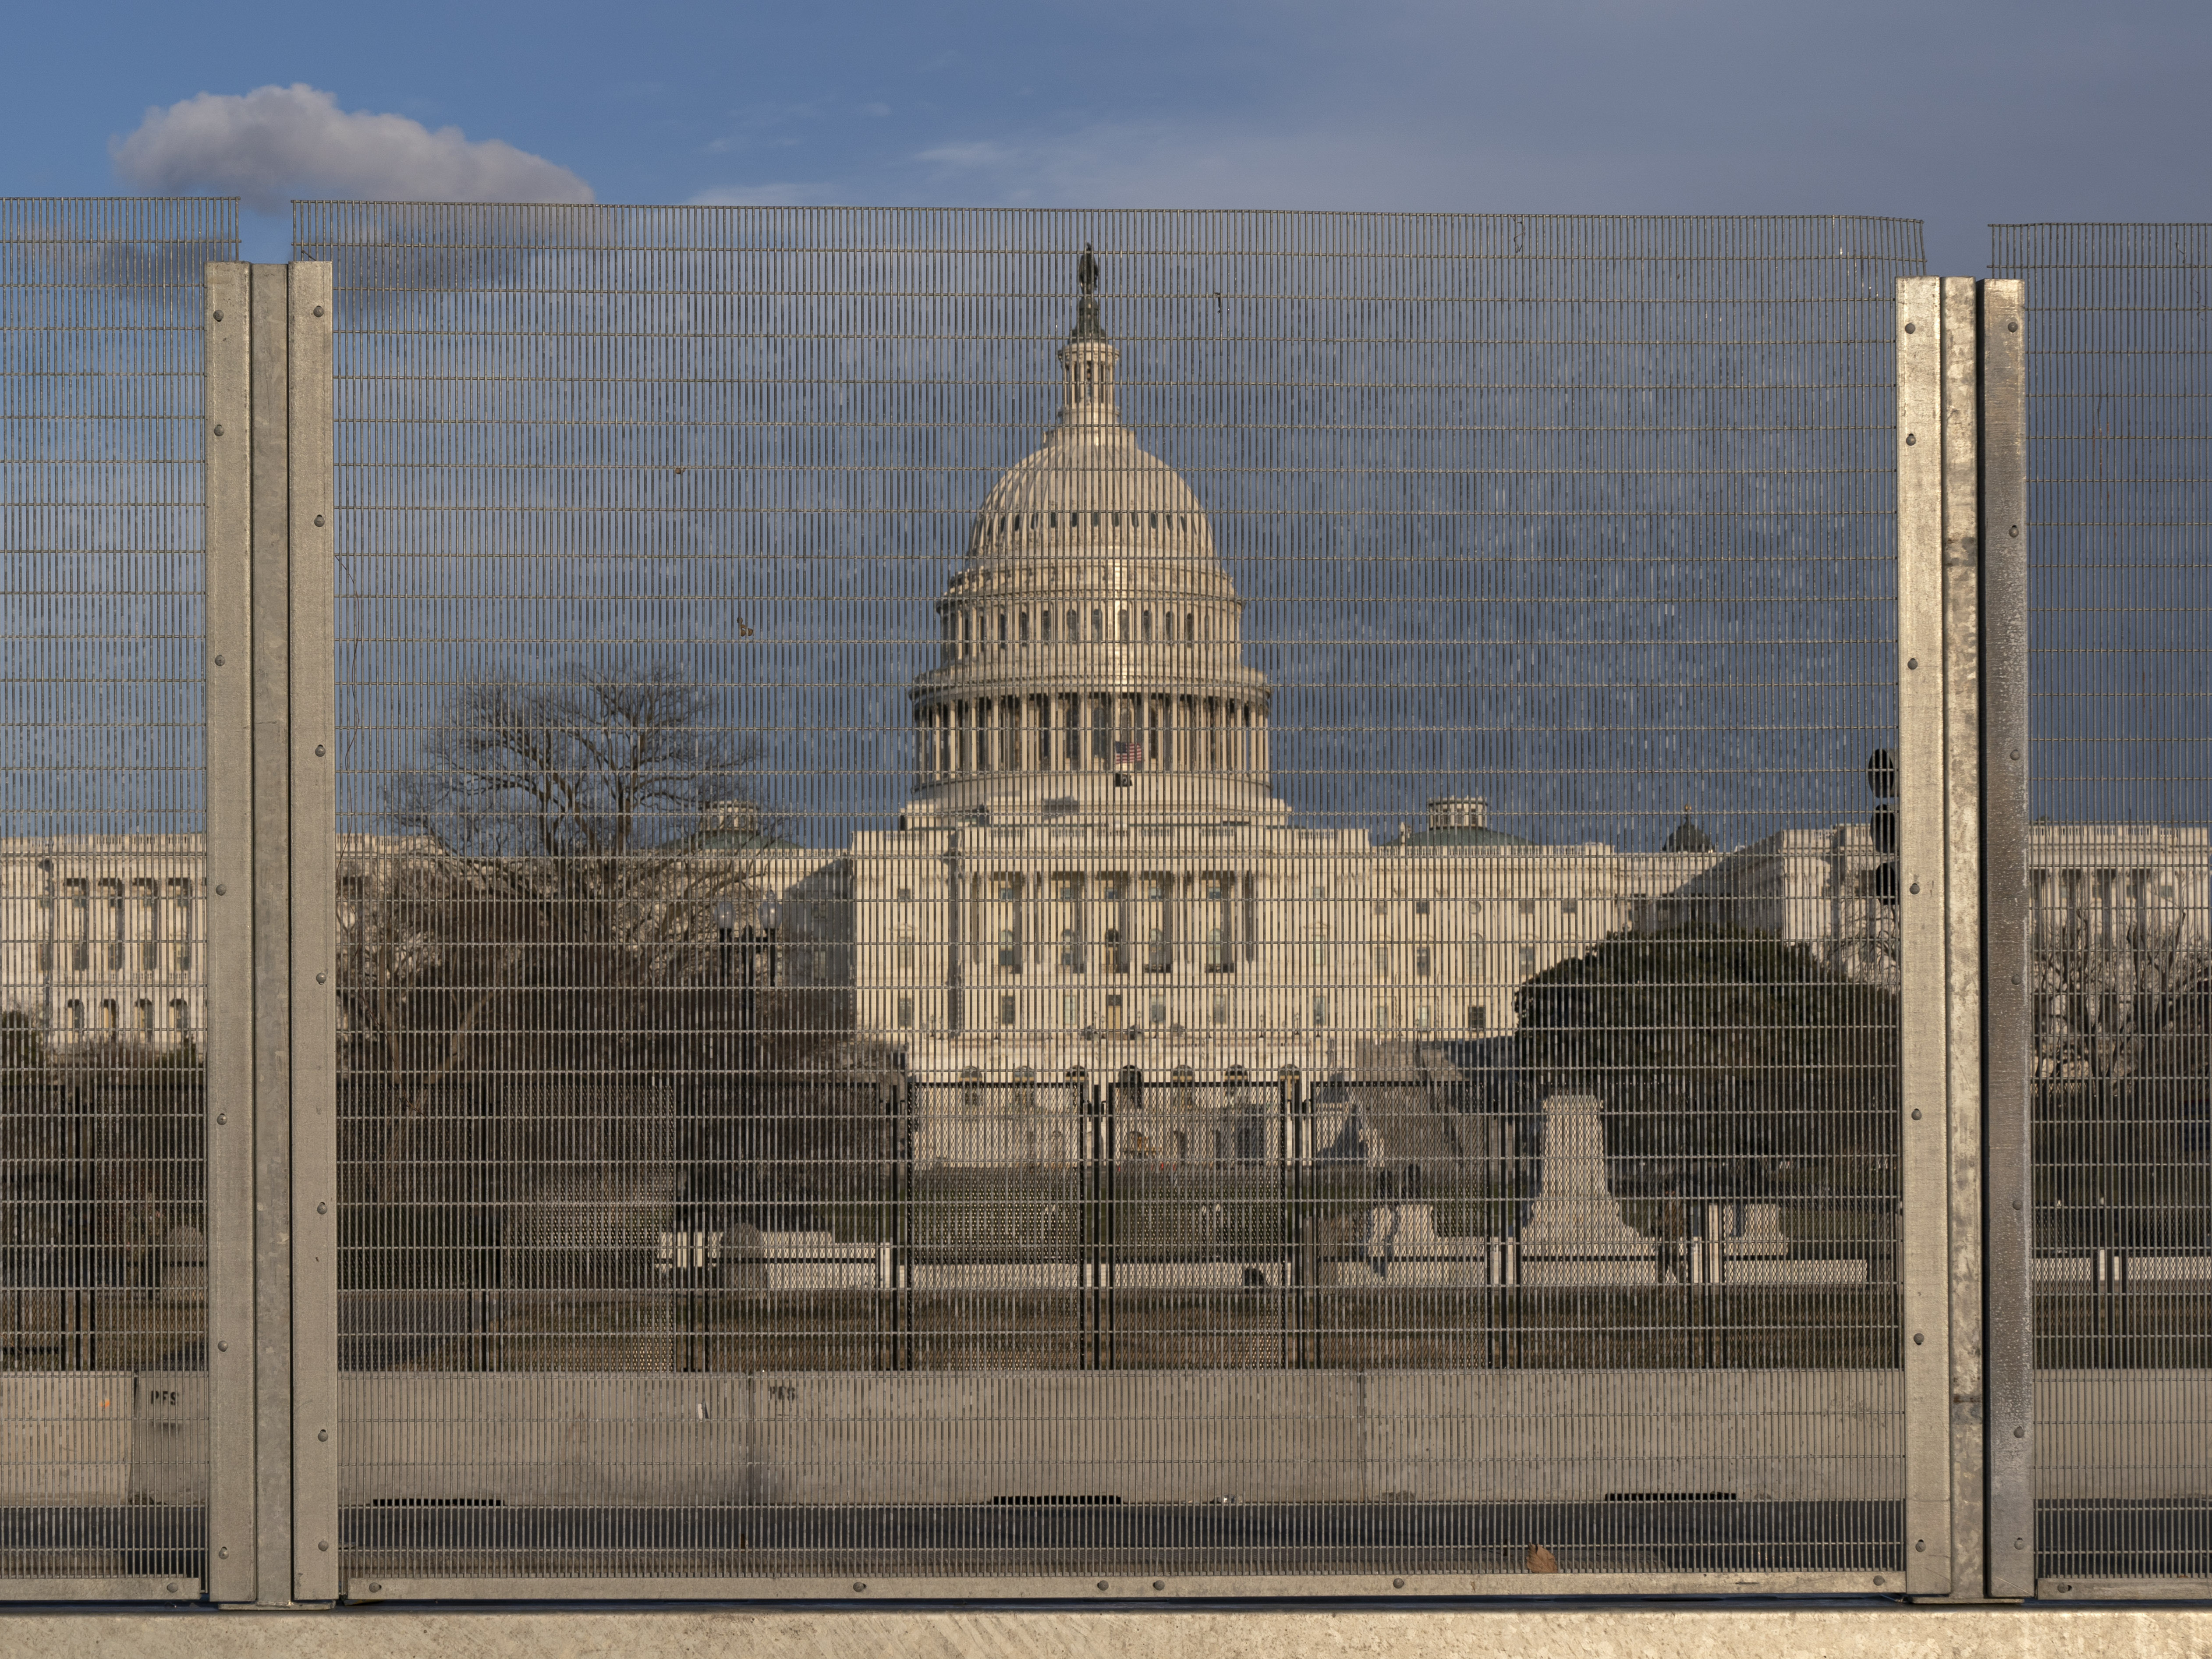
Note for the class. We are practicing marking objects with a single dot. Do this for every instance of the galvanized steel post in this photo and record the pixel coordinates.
(1962, 935)
(2008, 1390)
(1924, 1199)
(313, 915)
(271, 866)
(229, 901)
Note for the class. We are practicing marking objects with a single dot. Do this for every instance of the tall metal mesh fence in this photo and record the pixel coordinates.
(103, 1268)
(2120, 562)
(1157, 899)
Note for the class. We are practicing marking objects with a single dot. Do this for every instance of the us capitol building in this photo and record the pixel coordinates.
(1093, 873)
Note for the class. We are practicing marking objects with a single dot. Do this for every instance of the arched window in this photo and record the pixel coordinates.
(965, 623)
(1097, 623)
(1189, 626)
(1148, 627)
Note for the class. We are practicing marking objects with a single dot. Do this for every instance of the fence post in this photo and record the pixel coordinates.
(1962, 914)
(1923, 1254)
(227, 901)
(2008, 1025)
(312, 905)
(272, 1284)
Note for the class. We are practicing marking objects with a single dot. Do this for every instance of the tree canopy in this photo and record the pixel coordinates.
(1721, 1054)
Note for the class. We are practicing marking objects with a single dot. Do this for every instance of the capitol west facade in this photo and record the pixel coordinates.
(1093, 873)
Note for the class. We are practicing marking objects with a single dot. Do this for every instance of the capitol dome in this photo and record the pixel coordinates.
(1091, 639)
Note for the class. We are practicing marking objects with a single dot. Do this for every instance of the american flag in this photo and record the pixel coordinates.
(1128, 752)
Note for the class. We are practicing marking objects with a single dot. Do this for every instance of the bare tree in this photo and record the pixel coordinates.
(2132, 1005)
(553, 903)
(2123, 1084)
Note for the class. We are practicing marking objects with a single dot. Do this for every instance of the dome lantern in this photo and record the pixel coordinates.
(1087, 360)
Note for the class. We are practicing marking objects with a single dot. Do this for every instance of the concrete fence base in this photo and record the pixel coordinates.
(1156, 1436)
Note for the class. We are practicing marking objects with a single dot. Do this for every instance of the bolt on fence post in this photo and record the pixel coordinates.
(2008, 1417)
(1922, 1165)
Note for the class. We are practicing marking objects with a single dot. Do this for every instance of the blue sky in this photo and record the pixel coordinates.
(1958, 115)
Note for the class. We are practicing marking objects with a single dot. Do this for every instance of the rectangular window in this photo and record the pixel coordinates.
(1421, 1019)
(1159, 1011)
(1385, 1017)
(1220, 1012)
(1527, 958)
(1005, 1010)
(1478, 1017)
(80, 928)
(1320, 1011)
(1381, 961)
(1420, 907)
(149, 901)
(113, 891)
(903, 955)
(1568, 907)
(77, 1015)
(1528, 906)
(179, 1019)
(1071, 1011)
(145, 1017)
(906, 1013)
(1420, 961)
(180, 921)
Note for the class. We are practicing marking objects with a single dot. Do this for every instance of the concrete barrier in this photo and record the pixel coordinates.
(109, 1438)
(65, 1436)
(102, 1437)
(1156, 1436)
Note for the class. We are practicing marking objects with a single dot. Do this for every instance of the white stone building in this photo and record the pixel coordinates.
(1093, 873)
(102, 938)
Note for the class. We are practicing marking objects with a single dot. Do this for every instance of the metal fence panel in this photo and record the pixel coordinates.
(2120, 511)
(1295, 987)
(104, 1401)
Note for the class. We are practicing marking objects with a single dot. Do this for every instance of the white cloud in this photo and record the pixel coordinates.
(277, 143)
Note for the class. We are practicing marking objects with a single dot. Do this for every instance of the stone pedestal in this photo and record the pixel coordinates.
(1574, 1234)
